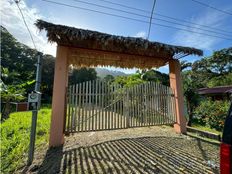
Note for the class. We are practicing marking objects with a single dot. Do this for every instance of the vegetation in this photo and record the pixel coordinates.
(215, 70)
(212, 113)
(17, 79)
(17, 66)
(15, 135)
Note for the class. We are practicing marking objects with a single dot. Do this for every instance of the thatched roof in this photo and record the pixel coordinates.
(74, 37)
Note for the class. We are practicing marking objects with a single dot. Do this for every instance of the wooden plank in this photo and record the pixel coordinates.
(86, 101)
(90, 117)
(121, 107)
(72, 106)
(132, 116)
(96, 105)
(76, 108)
(158, 105)
(137, 105)
(69, 110)
(83, 108)
(102, 105)
(114, 107)
(79, 106)
(117, 105)
(111, 106)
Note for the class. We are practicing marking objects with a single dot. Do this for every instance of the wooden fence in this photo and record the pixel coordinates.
(97, 105)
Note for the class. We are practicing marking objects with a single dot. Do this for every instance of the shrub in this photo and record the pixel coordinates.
(212, 113)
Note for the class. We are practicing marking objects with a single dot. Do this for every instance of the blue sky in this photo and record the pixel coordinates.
(181, 9)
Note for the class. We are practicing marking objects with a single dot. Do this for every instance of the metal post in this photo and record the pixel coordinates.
(35, 113)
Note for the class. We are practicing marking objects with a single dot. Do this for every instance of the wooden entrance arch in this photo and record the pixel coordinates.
(84, 48)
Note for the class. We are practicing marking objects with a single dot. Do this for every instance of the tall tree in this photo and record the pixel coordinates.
(81, 75)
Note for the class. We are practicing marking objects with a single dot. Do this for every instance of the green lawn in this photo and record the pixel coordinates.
(15, 135)
(205, 128)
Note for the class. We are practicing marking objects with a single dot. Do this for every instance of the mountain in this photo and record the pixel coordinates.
(102, 72)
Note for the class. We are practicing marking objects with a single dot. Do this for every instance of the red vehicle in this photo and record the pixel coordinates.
(226, 146)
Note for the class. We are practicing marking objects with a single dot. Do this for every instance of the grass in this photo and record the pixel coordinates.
(205, 128)
(15, 136)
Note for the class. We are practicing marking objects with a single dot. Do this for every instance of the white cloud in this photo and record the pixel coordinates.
(141, 34)
(11, 19)
(213, 19)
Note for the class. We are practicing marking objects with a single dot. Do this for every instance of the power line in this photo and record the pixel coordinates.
(149, 30)
(161, 15)
(158, 19)
(214, 8)
(17, 3)
(138, 20)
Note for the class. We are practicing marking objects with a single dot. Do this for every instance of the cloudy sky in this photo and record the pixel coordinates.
(207, 29)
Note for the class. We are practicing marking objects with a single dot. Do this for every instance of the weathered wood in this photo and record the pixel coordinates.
(79, 106)
(97, 105)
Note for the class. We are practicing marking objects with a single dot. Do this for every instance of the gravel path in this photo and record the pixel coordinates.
(156, 149)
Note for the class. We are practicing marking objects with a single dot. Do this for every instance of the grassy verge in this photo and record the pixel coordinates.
(15, 136)
(205, 128)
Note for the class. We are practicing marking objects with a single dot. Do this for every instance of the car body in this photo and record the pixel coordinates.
(226, 145)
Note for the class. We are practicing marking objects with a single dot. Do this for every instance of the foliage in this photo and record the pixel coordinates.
(190, 94)
(220, 80)
(81, 75)
(214, 67)
(15, 134)
(212, 113)
(215, 70)
(109, 78)
(18, 67)
(155, 76)
(9, 94)
(128, 81)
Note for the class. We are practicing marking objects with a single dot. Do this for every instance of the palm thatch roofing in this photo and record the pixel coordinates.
(118, 51)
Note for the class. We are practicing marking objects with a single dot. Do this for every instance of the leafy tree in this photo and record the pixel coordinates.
(128, 81)
(222, 80)
(48, 66)
(156, 76)
(212, 113)
(190, 94)
(81, 75)
(19, 59)
(109, 78)
(214, 67)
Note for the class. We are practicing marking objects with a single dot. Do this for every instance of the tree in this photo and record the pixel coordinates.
(109, 78)
(190, 94)
(48, 66)
(210, 71)
(214, 67)
(81, 75)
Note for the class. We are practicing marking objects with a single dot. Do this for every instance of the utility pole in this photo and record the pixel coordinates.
(35, 113)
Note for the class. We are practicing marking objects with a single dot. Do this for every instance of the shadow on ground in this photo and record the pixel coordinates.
(134, 155)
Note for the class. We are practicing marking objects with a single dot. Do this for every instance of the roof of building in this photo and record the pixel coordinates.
(215, 90)
(87, 39)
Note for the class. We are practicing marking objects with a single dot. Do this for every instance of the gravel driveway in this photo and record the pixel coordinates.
(156, 149)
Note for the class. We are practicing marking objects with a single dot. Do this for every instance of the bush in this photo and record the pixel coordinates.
(212, 113)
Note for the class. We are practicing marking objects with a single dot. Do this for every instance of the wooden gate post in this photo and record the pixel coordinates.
(176, 85)
(58, 99)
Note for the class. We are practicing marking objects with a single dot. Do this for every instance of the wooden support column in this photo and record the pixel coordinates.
(58, 99)
(176, 85)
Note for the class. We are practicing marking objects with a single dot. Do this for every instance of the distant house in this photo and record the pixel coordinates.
(217, 93)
